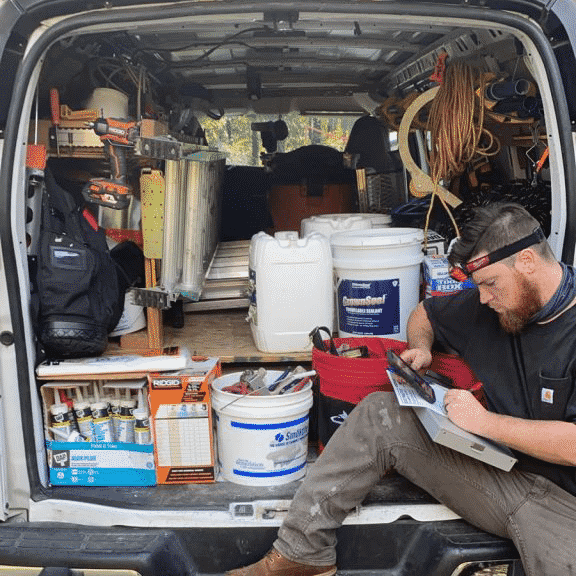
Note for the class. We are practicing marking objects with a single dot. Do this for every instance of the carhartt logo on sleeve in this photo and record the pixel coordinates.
(547, 395)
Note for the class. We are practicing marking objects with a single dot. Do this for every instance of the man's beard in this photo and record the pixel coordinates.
(513, 321)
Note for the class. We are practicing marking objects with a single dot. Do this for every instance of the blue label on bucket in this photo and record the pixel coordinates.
(369, 307)
(265, 450)
(273, 474)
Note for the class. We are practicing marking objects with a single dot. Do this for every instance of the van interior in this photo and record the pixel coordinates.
(292, 113)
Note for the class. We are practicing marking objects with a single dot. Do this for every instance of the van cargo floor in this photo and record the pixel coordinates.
(219, 495)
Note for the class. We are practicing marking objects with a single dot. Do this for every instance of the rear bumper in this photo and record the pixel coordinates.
(149, 552)
(402, 548)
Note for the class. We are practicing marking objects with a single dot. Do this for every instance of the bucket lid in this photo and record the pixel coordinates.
(377, 237)
(333, 217)
(354, 216)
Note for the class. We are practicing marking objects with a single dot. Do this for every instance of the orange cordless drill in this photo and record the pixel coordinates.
(117, 136)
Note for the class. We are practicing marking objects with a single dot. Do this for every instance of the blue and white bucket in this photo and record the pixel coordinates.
(261, 440)
(377, 274)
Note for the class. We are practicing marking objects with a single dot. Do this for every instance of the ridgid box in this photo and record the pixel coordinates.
(181, 418)
(93, 463)
(437, 279)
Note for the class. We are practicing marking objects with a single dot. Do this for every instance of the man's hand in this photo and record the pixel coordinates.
(466, 411)
(417, 358)
(549, 440)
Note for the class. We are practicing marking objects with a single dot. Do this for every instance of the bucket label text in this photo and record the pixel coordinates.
(268, 450)
(369, 307)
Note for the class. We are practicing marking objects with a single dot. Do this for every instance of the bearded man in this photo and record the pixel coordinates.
(516, 330)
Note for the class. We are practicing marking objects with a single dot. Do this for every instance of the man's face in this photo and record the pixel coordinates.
(509, 294)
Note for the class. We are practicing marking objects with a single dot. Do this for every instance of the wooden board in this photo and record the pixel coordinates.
(225, 335)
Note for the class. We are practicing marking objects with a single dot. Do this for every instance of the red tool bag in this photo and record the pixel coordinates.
(343, 382)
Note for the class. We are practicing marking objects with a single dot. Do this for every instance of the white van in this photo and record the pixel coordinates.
(277, 88)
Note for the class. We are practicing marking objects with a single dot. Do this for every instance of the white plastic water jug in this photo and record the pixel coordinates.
(291, 290)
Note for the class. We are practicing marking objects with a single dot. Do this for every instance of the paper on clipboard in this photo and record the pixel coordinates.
(443, 431)
(407, 396)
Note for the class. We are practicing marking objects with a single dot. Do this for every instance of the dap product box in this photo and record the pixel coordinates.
(91, 463)
(181, 418)
(437, 279)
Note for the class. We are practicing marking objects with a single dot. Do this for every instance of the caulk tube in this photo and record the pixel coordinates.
(61, 420)
(83, 415)
(84, 418)
(141, 422)
(103, 430)
(115, 412)
(141, 426)
(64, 399)
(126, 421)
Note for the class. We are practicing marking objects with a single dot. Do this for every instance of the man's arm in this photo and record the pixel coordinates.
(420, 339)
(550, 440)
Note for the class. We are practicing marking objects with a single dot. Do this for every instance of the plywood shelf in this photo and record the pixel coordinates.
(226, 335)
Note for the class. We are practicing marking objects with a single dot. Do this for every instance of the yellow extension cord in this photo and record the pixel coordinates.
(456, 125)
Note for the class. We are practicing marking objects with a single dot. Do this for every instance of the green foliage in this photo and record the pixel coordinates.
(234, 136)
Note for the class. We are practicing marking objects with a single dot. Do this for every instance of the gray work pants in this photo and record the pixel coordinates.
(379, 435)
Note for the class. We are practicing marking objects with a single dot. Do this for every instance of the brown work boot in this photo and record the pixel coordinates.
(274, 564)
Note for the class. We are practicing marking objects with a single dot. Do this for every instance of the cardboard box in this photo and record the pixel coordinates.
(94, 463)
(181, 420)
(437, 279)
(101, 464)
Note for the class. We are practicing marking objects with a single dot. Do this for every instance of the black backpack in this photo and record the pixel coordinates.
(76, 292)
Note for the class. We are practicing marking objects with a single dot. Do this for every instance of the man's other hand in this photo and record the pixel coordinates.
(417, 358)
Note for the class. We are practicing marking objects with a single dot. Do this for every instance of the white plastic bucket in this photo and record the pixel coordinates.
(377, 275)
(329, 224)
(261, 440)
(290, 283)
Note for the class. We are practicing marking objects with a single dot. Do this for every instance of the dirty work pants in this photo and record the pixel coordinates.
(379, 435)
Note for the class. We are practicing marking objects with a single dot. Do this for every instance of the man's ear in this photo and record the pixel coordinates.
(525, 261)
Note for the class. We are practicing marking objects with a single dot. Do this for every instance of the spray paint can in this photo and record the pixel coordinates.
(126, 421)
(62, 419)
(141, 426)
(84, 419)
(103, 428)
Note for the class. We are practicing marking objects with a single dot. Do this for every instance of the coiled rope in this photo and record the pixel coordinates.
(456, 126)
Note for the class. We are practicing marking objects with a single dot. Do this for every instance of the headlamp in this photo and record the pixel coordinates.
(462, 272)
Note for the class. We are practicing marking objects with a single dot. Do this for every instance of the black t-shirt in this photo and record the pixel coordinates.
(529, 375)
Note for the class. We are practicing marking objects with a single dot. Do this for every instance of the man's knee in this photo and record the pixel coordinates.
(382, 406)
(381, 411)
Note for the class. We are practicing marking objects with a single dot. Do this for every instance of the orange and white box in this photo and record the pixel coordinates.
(181, 420)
